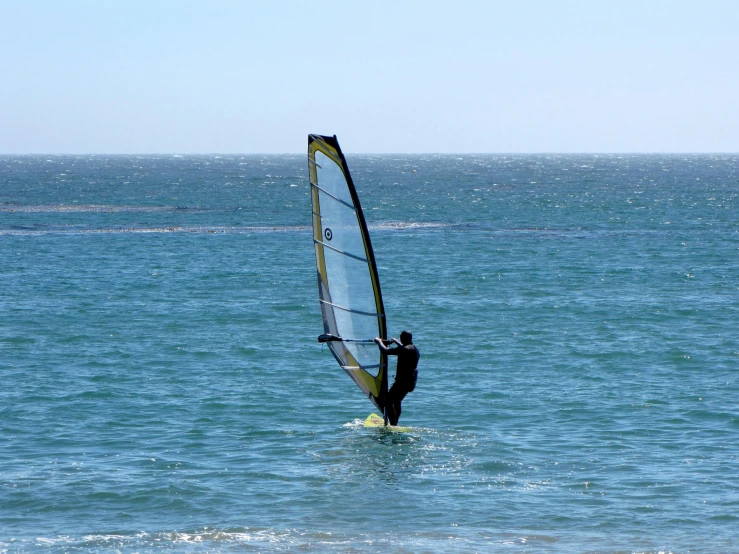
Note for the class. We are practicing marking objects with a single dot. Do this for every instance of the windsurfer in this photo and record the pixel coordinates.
(406, 373)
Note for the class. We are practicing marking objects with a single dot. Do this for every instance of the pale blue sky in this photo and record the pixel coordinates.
(171, 76)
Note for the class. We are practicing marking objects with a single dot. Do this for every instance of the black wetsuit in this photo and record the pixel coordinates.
(405, 379)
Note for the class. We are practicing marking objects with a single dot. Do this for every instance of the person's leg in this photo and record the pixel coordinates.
(394, 397)
(399, 396)
(392, 405)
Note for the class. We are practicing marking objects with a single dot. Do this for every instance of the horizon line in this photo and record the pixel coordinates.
(543, 153)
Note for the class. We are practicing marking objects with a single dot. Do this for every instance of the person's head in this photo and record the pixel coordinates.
(406, 337)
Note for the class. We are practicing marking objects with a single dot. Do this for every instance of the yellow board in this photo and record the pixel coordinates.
(373, 420)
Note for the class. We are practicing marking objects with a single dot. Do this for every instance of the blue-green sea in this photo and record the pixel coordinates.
(163, 389)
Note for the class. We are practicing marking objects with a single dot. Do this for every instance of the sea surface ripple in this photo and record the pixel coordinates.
(164, 389)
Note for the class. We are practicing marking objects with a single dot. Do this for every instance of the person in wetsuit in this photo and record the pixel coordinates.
(405, 374)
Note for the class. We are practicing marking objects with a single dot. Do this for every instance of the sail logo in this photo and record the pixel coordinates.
(328, 234)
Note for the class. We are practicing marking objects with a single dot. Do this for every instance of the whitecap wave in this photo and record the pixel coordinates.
(94, 208)
(195, 229)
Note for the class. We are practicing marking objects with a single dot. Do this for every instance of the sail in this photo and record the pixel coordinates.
(348, 285)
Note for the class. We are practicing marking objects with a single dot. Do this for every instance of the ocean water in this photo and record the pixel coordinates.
(163, 389)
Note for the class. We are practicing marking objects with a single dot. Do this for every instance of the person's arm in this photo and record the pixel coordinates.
(383, 347)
